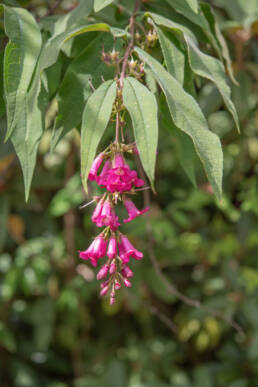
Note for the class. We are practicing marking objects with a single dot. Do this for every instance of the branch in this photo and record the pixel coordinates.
(131, 43)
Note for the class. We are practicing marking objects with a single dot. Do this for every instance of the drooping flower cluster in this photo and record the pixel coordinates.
(120, 182)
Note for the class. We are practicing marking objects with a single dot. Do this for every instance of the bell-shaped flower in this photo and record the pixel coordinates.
(132, 210)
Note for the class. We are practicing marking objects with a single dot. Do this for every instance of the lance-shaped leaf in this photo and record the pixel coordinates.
(173, 54)
(200, 63)
(142, 107)
(211, 68)
(95, 118)
(21, 56)
(100, 4)
(188, 117)
(214, 27)
(186, 8)
(186, 153)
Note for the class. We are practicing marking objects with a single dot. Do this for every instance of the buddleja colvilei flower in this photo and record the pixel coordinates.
(119, 182)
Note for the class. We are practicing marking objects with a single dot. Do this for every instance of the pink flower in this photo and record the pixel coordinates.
(127, 272)
(112, 268)
(96, 250)
(132, 210)
(104, 291)
(127, 250)
(120, 178)
(105, 216)
(127, 283)
(102, 178)
(102, 272)
(112, 248)
(95, 166)
(97, 211)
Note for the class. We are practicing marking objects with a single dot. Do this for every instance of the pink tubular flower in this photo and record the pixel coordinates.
(127, 272)
(121, 178)
(96, 250)
(132, 210)
(127, 250)
(112, 248)
(102, 272)
(105, 216)
(95, 166)
(102, 178)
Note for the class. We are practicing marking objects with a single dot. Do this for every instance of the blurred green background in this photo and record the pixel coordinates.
(55, 331)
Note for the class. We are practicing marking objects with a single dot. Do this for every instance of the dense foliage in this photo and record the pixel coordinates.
(54, 329)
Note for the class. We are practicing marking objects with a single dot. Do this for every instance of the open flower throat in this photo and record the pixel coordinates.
(120, 182)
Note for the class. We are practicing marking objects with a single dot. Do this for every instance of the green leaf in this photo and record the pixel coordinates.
(7, 339)
(75, 88)
(27, 134)
(188, 117)
(186, 8)
(142, 106)
(173, 54)
(100, 4)
(95, 118)
(2, 103)
(202, 64)
(186, 153)
(21, 56)
(211, 68)
(210, 17)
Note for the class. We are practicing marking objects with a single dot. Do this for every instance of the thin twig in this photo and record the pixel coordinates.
(131, 43)
(163, 318)
(171, 288)
(117, 127)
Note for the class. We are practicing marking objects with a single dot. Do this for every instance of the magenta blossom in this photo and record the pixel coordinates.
(102, 178)
(112, 248)
(127, 250)
(127, 272)
(105, 215)
(95, 166)
(132, 210)
(121, 178)
(96, 250)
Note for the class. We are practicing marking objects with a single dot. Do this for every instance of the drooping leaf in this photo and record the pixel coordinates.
(142, 106)
(210, 17)
(211, 68)
(21, 56)
(76, 86)
(79, 13)
(2, 104)
(188, 117)
(27, 134)
(95, 118)
(188, 9)
(202, 64)
(173, 54)
(100, 4)
(186, 153)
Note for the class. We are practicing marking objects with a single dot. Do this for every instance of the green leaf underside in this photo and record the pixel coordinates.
(212, 69)
(187, 156)
(142, 107)
(184, 8)
(173, 54)
(188, 117)
(95, 118)
(201, 64)
(75, 88)
(21, 56)
(100, 4)
(210, 17)
(24, 117)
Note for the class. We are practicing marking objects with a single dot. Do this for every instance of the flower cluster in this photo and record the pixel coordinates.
(119, 182)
